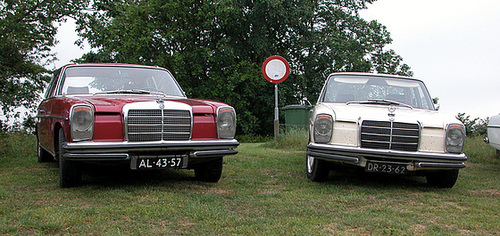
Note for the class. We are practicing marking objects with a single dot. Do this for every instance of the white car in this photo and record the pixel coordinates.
(494, 133)
(385, 124)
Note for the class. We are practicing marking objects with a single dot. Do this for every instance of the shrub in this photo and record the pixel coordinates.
(473, 127)
(15, 144)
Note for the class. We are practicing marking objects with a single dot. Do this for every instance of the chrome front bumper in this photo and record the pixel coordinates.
(115, 151)
(413, 160)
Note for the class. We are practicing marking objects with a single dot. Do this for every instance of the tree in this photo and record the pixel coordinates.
(27, 33)
(216, 48)
(481, 127)
(474, 127)
(468, 123)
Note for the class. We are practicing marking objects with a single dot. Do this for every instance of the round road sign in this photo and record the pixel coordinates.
(275, 69)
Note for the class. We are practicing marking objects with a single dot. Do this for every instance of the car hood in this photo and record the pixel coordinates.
(115, 103)
(357, 112)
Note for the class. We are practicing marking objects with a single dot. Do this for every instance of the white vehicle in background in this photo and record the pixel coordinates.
(494, 133)
(384, 124)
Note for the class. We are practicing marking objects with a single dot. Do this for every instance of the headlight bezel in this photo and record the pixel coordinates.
(226, 122)
(323, 128)
(81, 122)
(455, 138)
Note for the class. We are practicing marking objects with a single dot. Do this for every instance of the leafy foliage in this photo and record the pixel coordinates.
(473, 127)
(216, 48)
(27, 33)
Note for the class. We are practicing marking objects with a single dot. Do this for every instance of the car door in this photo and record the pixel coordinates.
(44, 115)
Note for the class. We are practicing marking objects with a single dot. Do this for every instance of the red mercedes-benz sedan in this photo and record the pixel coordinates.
(120, 113)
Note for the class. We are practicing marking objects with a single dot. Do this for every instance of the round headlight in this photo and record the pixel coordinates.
(455, 138)
(323, 126)
(82, 122)
(226, 122)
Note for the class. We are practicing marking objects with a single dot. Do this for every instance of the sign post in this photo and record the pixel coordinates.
(275, 70)
(276, 113)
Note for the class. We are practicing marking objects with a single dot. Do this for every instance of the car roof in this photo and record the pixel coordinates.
(373, 74)
(110, 64)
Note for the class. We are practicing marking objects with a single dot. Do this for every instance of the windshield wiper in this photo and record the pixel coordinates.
(126, 91)
(134, 91)
(158, 92)
(380, 102)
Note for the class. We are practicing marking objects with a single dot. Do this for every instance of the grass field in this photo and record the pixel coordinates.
(263, 191)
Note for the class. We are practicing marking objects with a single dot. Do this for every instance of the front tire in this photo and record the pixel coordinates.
(209, 171)
(69, 173)
(442, 179)
(317, 170)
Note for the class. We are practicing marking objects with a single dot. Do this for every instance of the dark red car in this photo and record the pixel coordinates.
(120, 113)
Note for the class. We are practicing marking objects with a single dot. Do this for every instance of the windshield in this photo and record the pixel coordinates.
(116, 79)
(376, 90)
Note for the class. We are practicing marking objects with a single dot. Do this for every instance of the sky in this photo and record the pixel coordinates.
(452, 45)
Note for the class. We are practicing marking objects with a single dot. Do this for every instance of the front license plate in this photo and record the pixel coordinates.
(385, 168)
(159, 163)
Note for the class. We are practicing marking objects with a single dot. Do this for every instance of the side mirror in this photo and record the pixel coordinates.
(436, 103)
(305, 101)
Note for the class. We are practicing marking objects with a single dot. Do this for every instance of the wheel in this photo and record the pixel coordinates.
(43, 156)
(69, 173)
(442, 179)
(317, 170)
(209, 171)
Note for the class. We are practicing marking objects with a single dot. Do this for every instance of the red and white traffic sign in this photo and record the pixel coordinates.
(275, 69)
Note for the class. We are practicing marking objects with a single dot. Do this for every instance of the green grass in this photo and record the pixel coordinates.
(263, 191)
(480, 152)
(295, 139)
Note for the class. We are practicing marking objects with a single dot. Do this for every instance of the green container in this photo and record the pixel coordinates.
(297, 116)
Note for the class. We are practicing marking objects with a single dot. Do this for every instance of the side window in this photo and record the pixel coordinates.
(53, 82)
(424, 101)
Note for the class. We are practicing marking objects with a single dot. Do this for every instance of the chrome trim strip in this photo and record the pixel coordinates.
(89, 151)
(114, 147)
(213, 153)
(52, 116)
(387, 154)
(97, 156)
(431, 165)
(353, 160)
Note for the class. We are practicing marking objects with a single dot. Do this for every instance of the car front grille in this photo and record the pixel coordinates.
(157, 125)
(390, 135)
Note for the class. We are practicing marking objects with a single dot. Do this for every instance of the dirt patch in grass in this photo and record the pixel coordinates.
(494, 192)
